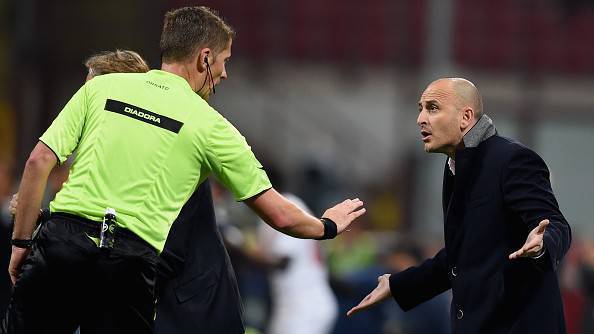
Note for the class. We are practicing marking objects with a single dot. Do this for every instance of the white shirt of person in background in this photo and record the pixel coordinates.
(302, 301)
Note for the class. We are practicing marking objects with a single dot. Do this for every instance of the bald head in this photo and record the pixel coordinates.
(465, 93)
(448, 109)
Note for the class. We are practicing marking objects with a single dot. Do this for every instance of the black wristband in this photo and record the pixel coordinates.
(330, 229)
(22, 243)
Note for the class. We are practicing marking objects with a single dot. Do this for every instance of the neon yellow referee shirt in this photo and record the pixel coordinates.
(144, 142)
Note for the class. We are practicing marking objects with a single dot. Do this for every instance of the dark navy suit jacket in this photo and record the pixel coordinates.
(197, 290)
(500, 192)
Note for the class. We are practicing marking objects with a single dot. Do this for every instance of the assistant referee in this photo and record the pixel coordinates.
(144, 143)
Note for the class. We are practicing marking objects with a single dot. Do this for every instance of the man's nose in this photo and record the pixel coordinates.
(421, 119)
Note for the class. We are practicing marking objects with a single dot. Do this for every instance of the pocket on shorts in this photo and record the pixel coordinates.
(200, 286)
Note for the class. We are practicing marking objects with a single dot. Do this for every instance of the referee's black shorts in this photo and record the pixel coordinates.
(67, 282)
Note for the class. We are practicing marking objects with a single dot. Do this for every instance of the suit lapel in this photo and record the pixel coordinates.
(455, 187)
(447, 190)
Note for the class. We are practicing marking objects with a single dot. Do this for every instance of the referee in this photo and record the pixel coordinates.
(144, 143)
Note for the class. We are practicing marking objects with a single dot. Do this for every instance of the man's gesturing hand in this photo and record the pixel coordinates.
(378, 295)
(344, 213)
(534, 244)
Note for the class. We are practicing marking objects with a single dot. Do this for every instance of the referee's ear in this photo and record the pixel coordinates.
(203, 59)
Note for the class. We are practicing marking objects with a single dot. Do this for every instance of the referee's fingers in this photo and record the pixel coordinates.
(356, 203)
(356, 214)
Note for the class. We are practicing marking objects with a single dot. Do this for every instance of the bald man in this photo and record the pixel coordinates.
(504, 232)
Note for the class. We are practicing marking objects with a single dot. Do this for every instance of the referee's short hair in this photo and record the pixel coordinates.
(186, 30)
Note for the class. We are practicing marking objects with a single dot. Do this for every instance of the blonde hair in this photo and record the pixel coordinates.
(118, 61)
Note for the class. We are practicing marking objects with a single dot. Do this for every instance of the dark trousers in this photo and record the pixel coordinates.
(67, 282)
(198, 289)
(5, 248)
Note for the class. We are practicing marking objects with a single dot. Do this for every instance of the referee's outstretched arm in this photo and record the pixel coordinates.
(283, 215)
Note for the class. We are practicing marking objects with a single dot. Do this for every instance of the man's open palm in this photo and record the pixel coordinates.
(379, 294)
(534, 243)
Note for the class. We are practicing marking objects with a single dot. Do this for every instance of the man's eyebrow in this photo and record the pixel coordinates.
(428, 102)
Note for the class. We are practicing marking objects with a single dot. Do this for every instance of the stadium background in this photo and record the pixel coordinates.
(326, 93)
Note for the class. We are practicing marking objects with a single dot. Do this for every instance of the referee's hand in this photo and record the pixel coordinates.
(17, 258)
(343, 214)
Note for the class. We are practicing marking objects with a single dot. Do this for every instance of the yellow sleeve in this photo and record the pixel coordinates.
(64, 133)
(234, 164)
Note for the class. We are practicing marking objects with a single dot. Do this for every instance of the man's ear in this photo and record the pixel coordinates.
(467, 118)
(203, 59)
